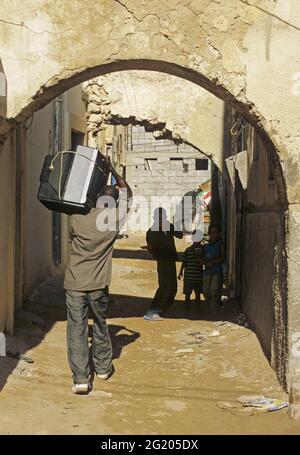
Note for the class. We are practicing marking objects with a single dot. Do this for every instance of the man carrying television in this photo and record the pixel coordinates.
(87, 278)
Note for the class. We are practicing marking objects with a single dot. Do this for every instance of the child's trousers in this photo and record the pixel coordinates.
(212, 285)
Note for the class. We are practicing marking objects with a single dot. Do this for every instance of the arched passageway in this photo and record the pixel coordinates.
(256, 222)
(224, 67)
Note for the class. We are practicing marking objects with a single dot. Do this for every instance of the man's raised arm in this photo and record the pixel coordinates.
(120, 181)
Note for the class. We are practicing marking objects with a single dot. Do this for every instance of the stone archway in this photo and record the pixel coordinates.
(230, 50)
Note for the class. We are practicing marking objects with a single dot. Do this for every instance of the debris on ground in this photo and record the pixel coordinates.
(248, 405)
(263, 403)
(23, 369)
(236, 409)
(214, 333)
(198, 338)
(231, 373)
(223, 323)
(184, 351)
(19, 356)
(219, 340)
(242, 320)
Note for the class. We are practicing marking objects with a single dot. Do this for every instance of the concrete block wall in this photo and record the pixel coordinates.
(161, 168)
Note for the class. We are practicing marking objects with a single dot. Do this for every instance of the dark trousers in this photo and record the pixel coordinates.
(78, 305)
(189, 287)
(212, 290)
(167, 285)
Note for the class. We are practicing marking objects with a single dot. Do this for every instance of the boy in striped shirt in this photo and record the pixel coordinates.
(193, 272)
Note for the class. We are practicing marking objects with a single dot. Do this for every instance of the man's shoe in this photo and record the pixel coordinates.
(81, 389)
(153, 317)
(105, 376)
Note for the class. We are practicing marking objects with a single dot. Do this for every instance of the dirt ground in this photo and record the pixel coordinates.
(170, 378)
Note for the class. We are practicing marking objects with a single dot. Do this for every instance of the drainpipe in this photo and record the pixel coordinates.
(3, 92)
(4, 126)
(57, 147)
(216, 211)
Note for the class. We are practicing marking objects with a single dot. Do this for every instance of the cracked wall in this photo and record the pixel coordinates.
(230, 48)
(247, 52)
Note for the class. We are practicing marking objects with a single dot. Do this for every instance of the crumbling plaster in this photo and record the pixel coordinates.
(168, 104)
(241, 50)
(247, 52)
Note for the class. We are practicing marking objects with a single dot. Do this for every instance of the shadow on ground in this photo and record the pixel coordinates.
(128, 306)
(120, 336)
(132, 254)
(48, 303)
(121, 253)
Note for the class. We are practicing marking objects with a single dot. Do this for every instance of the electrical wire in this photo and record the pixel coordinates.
(134, 95)
(126, 94)
(269, 13)
(51, 167)
(30, 124)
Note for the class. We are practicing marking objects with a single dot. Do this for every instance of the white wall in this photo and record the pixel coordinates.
(38, 261)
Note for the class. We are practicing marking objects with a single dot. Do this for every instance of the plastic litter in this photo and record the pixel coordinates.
(236, 408)
(263, 403)
(248, 405)
(242, 320)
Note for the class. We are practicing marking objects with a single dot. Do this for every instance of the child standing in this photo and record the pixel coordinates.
(213, 257)
(193, 272)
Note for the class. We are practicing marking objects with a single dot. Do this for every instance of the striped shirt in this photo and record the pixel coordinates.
(193, 271)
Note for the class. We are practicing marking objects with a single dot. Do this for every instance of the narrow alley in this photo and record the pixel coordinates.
(149, 218)
(174, 376)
